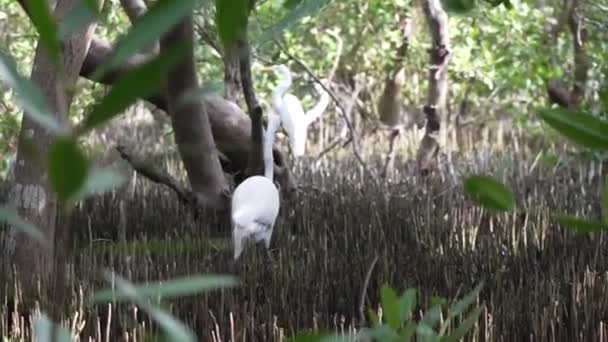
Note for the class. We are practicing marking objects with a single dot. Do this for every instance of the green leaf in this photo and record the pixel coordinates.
(431, 317)
(373, 317)
(581, 128)
(390, 307)
(603, 93)
(159, 19)
(172, 287)
(43, 330)
(44, 22)
(81, 14)
(464, 327)
(291, 4)
(408, 331)
(174, 329)
(425, 332)
(10, 216)
(581, 225)
(68, 168)
(407, 302)
(231, 18)
(138, 83)
(489, 192)
(29, 96)
(303, 9)
(438, 300)
(98, 181)
(458, 6)
(462, 305)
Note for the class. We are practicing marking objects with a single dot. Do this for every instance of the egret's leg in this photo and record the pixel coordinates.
(238, 241)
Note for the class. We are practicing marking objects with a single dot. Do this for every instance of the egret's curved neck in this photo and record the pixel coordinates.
(273, 124)
(281, 88)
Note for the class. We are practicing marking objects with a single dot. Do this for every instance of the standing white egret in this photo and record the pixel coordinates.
(255, 202)
(290, 109)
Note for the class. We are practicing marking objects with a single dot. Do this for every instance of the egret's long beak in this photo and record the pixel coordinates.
(266, 68)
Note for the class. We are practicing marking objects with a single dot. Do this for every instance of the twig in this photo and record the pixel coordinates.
(207, 38)
(339, 47)
(364, 289)
(185, 195)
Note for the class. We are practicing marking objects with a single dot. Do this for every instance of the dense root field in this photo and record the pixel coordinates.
(542, 282)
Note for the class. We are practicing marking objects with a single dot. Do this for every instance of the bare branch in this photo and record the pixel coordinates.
(313, 114)
(339, 48)
(184, 194)
(206, 35)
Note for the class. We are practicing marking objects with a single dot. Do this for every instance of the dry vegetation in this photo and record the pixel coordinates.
(542, 282)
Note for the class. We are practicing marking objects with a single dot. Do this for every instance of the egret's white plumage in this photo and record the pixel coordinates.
(255, 202)
(293, 117)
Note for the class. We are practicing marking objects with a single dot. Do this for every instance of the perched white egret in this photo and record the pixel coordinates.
(255, 202)
(290, 109)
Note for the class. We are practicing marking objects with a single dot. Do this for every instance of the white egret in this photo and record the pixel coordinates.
(255, 202)
(290, 109)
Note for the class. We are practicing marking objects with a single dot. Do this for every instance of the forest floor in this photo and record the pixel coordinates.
(542, 282)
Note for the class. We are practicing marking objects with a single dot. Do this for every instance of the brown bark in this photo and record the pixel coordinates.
(389, 105)
(437, 21)
(255, 163)
(31, 190)
(581, 61)
(134, 10)
(191, 124)
(557, 90)
(232, 75)
(230, 125)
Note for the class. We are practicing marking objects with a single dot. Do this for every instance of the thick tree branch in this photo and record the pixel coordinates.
(255, 165)
(389, 104)
(437, 21)
(190, 122)
(133, 8)
(581, 61)
(231, 126)
(557, 90)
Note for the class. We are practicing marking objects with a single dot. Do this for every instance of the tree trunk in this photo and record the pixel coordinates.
(231, 127)
(389, 105)
(134, 10)
(437, 21)
(232, 75)
(557, 90)
(31, 191)
(191, 124)
(581, 61)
